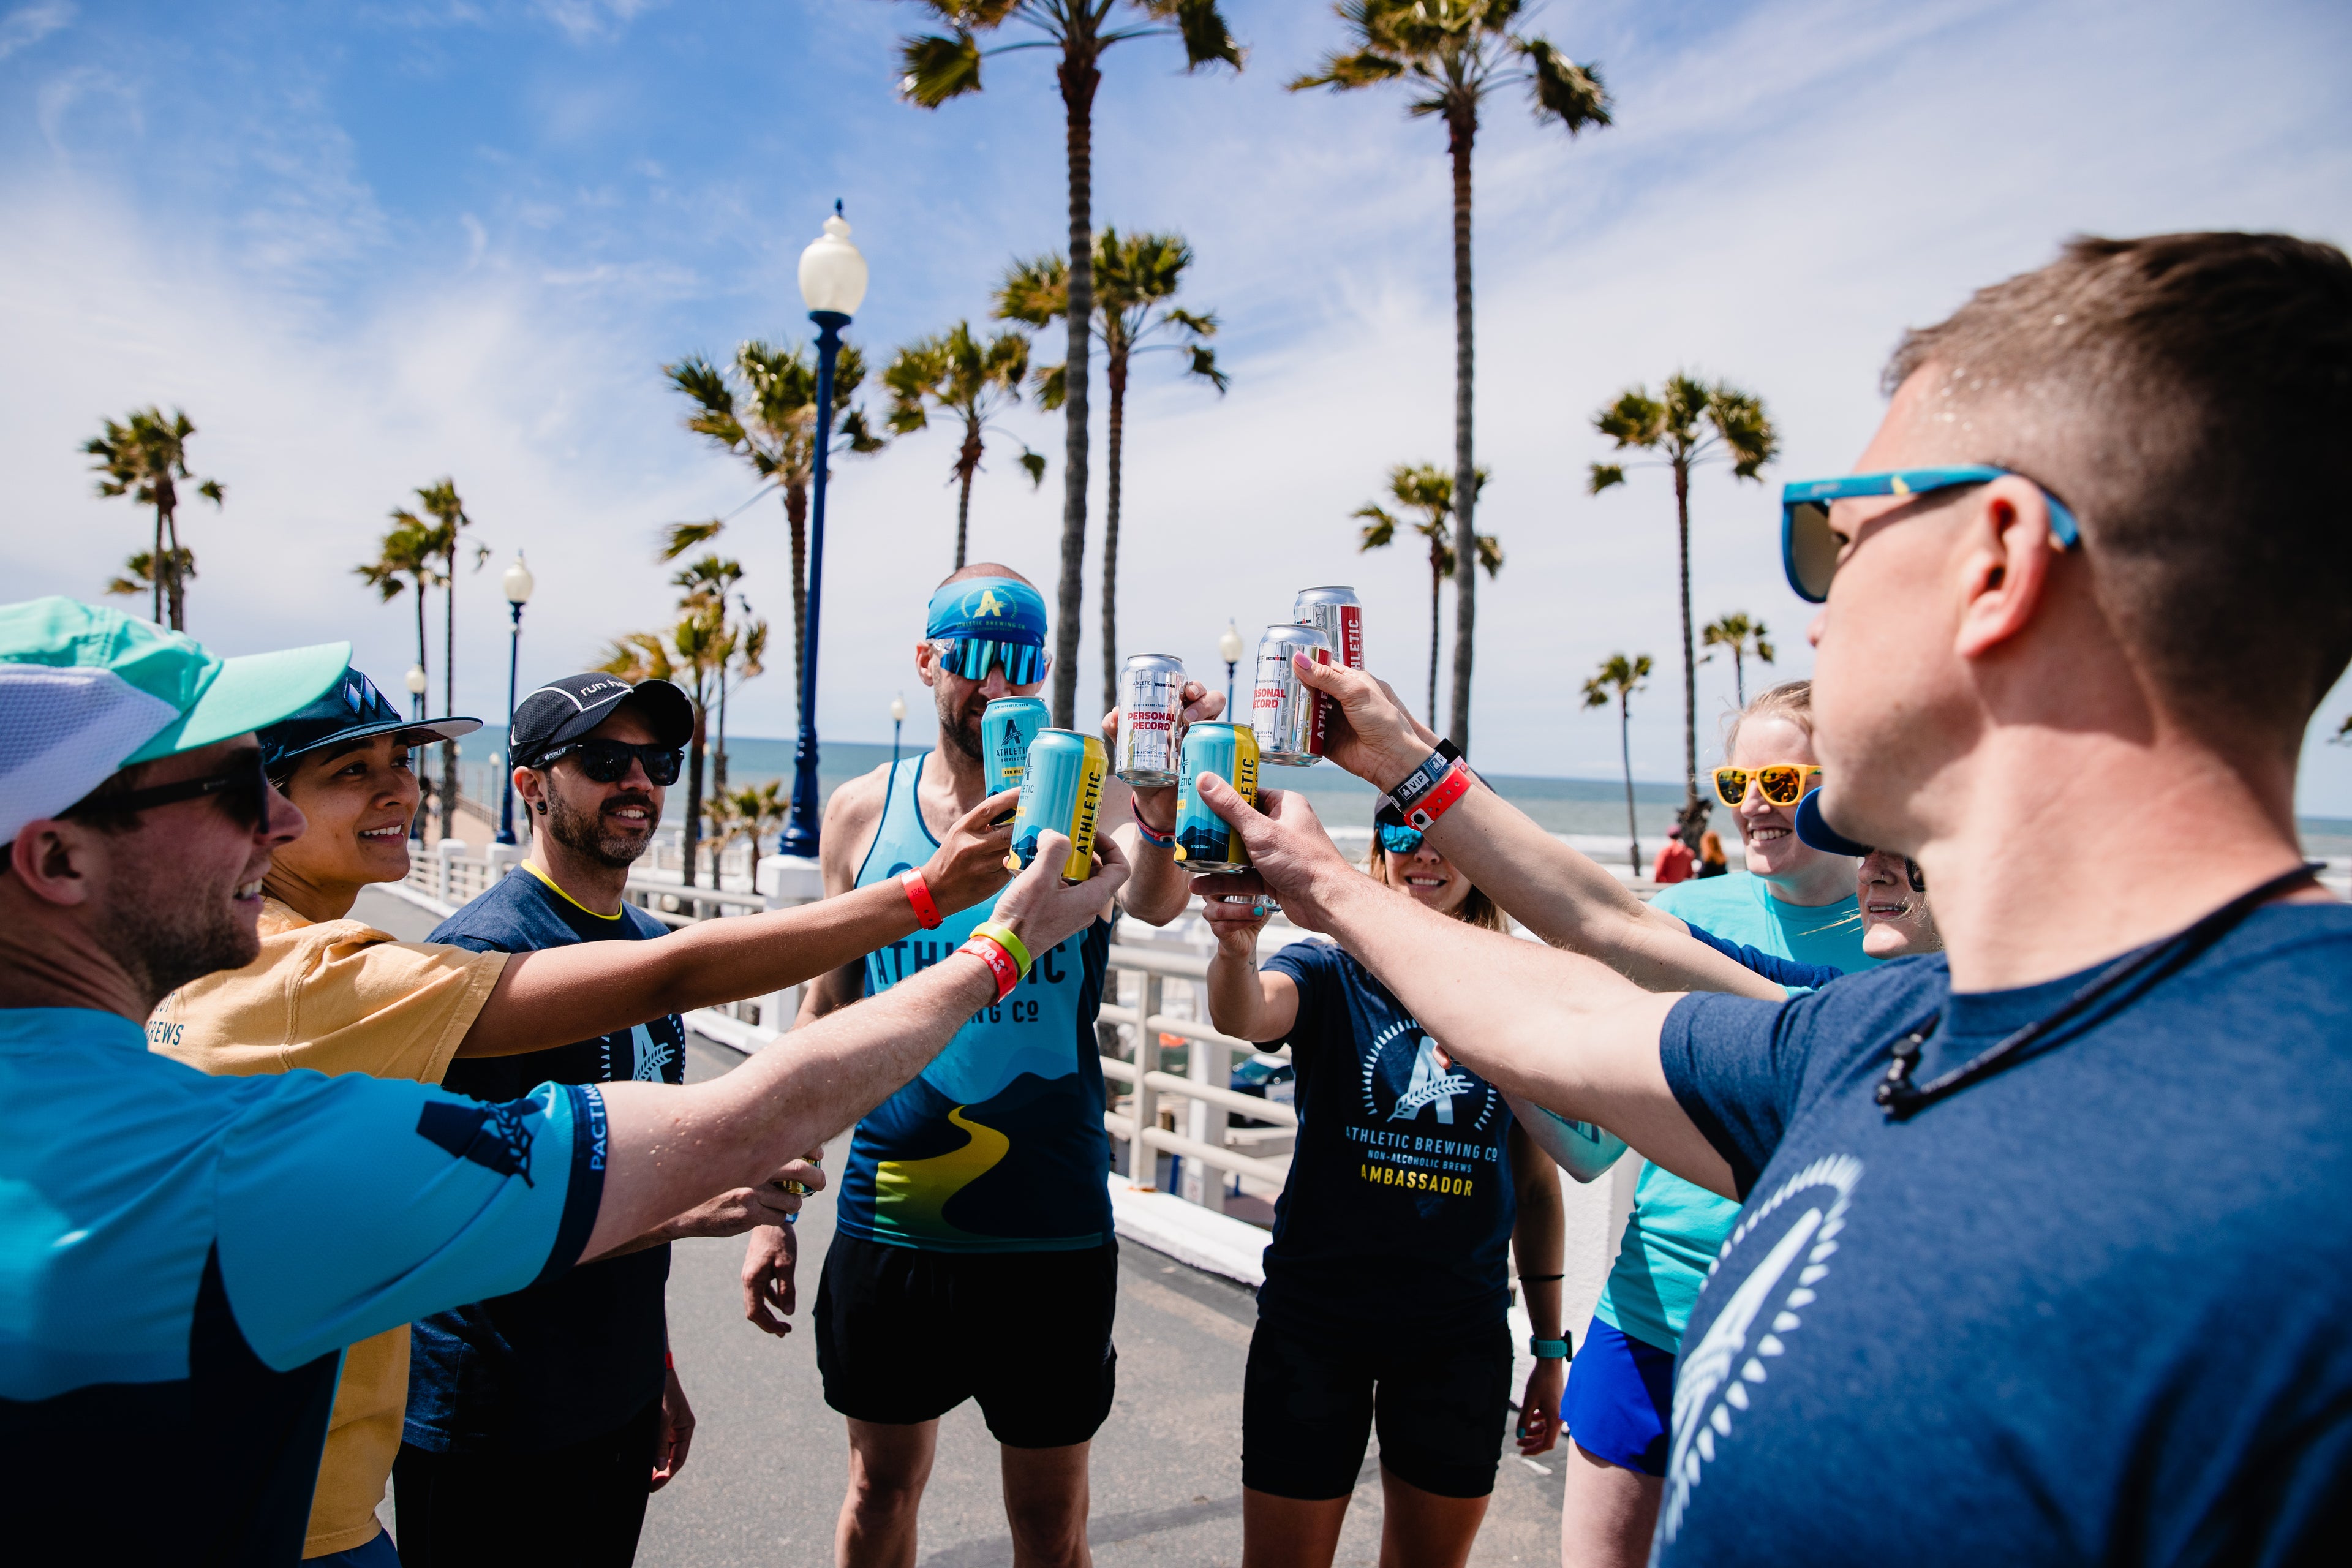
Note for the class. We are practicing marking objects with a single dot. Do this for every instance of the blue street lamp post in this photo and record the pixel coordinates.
(417, 682)
(833, 283)
(518, 583)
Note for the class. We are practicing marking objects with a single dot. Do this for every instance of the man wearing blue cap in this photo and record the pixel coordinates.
(972, 1253)
(183, 1257)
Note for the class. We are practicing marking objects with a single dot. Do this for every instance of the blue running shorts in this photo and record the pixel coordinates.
(1620, 1393)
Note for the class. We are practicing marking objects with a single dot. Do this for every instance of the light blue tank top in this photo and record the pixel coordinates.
(998, 1145)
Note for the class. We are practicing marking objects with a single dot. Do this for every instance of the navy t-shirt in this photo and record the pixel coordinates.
(1397, 1215)
(580, 1354)
(2096, 1307)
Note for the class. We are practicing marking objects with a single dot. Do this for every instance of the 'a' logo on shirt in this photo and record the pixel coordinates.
(496, 1137)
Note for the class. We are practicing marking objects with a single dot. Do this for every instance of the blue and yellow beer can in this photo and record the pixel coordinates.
(1061, 790)
(1205, 841)
(1006, 727)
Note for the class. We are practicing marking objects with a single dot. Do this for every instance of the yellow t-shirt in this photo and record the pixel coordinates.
(337, 996)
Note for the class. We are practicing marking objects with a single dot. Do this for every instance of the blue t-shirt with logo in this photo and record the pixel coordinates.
(2095, 1309)
(1396, 1217)
(573, 1357)
(183, 1259)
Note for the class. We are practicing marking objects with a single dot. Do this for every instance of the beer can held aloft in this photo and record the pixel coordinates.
(1151, 705)
(1339, 615)
(1061, 791)
(1285, 712)
(1006, 727)
(1205, 841)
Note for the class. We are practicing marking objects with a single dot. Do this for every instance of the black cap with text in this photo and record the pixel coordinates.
(563, 710)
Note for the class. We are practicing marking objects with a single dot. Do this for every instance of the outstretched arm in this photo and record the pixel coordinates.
(563, 994)
(1248, 1003)
(1556, 1028)
(1556, 891)
(670, 1148)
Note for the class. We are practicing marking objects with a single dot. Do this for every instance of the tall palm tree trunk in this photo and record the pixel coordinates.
(796, 514)
(719, 760)
(450, 692)
(155, 569)
(1115, 377)
(694, 792)
(1690, 660)
(1625, 755)
(1740, 677)
(1462, 129)
(1078, 76)
(967, 464)
(1436, 579)
(176, 588)
(419, 697)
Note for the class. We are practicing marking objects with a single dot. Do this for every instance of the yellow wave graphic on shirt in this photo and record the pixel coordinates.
(910, 1196)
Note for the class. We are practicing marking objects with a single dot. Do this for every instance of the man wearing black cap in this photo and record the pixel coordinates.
(557, 1399)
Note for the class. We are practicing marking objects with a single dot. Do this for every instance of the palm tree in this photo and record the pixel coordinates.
(1689, 424)
(940, 67)
(974, 381)
(1735, 632)
(752, 812)
(1134, 278)
(1454, 53)
(743, 644)
(404, 558)
(763, 408)
(146, 457)
(692, 654)
(1428, 490)
(1618, 679)
(441, 537)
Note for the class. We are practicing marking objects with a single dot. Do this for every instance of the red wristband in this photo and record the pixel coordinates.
(1441, 796)
(919, 893)
(1000, 962)
(669, 1360)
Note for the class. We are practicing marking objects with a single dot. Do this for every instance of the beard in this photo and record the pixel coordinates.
(169, 941)
(598, 837)
(961, 722)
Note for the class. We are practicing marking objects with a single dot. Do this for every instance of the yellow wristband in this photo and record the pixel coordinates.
(1002, 934)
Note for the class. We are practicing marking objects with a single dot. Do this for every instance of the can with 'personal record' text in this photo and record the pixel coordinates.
(1061, 791)
(1205, 841)
(1285, 712)
(1339, 615)
(1150, 704)
(1006, 727)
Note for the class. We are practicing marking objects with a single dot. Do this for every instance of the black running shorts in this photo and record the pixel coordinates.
(1308, 1411)
(904, 1337)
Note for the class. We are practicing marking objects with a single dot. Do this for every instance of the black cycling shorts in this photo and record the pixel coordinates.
(904, 1337)
(1308, 1409)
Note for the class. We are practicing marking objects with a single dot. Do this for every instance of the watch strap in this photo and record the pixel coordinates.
(1549, 1349)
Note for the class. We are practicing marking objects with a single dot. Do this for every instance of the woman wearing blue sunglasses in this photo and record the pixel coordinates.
(1387, 1280)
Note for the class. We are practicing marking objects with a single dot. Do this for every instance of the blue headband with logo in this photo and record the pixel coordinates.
(989, 619)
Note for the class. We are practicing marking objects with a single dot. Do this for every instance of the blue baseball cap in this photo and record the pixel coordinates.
(1814, 829)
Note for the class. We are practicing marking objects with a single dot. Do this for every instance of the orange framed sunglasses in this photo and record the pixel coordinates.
(1782, 783)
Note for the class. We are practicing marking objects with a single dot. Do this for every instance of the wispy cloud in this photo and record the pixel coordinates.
(28, 25)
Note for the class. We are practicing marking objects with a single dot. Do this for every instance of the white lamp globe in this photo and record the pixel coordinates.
(518, 582)
(1229, 644)
(832, 273)
(415, 680)
(898, 709)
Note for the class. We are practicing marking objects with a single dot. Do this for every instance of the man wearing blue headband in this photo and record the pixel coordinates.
(973, 1254)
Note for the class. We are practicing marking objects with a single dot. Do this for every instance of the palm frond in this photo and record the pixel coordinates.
(1351, 70)
(1603, 476)
(1204, 365)
(1564, 90)
(1207, 40)
(1052, 384)
(1033, 465)
(1379, 531)
(937, 68)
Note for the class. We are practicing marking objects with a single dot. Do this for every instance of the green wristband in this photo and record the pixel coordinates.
(1002, 934)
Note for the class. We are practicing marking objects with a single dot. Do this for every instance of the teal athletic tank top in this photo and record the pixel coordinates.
(999, 1145)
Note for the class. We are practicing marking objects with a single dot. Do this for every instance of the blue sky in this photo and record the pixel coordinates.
(368, 245)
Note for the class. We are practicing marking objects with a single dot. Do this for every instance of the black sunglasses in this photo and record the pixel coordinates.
(242, 791)
(607, 761)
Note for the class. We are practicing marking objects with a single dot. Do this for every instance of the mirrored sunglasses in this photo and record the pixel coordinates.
(1782, 783)
(1811, 551)
(969, 657)
(1397, 840)
(607, 761)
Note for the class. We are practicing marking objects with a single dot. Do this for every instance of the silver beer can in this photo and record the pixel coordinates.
(1339, 615)
(1286, 714)
(1150, 704)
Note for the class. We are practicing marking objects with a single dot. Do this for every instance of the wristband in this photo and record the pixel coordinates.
(991, 952)
(1437, 802)
(1425, 778)
(669, 1360)
(1151, 835)
(919, 893)
(1002, 934)
(1549, 1349)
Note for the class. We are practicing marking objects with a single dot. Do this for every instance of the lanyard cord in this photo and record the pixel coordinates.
(1903, 1098)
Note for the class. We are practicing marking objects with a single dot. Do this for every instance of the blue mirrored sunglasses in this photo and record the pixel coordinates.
(1810, 552)
(1024, 664)
(1398, 840)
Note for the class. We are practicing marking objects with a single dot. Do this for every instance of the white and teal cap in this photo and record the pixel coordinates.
(86, 691)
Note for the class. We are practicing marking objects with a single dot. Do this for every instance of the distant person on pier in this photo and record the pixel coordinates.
(1673, 860)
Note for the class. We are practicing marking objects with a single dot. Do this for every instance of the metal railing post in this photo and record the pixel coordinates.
(1142, 1159)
